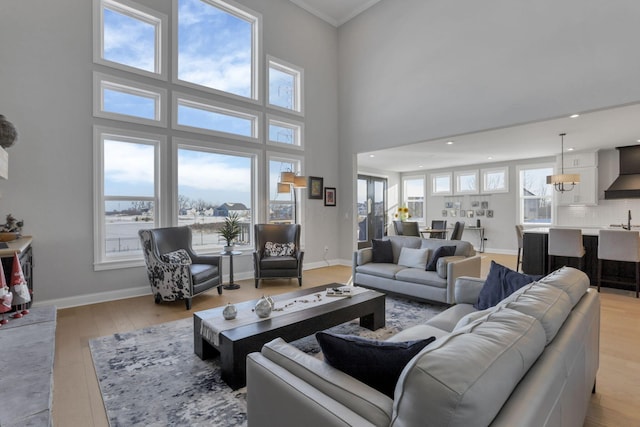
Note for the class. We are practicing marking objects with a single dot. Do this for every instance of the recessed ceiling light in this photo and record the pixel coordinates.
(570, 149)
(573, 116)
(372, 155)
(638, 140)
(449, 142)
(489, 158)
(421, 166)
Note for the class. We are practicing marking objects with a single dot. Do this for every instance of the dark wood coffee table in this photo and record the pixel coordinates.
(236, 344)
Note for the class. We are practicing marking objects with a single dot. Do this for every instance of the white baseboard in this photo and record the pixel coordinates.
(146, 290)
(95, 298)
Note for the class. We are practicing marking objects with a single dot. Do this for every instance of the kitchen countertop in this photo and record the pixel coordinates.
(586, 231)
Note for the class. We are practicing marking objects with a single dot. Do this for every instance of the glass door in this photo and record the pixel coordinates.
(372, 208)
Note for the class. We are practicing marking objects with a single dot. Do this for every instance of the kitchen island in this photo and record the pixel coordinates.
(536, 261)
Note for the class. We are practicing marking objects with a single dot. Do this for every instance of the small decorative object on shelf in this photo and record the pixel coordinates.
(230, 312)
(8, 132)
(263, 308)
(19, 289)
(5, 297)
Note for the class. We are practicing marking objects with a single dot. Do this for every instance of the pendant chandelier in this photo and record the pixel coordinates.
(563, 182)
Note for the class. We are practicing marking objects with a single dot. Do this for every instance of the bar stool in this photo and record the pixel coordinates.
(565, 242)
(619, 245)
(519, 236)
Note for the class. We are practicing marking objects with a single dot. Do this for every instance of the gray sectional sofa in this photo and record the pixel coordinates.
(531, 360)
(415, 282)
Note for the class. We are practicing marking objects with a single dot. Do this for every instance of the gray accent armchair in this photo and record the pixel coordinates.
(277, 266)
(175, 271)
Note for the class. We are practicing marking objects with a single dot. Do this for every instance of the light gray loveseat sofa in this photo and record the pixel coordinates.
(415, 282)
(531, 360)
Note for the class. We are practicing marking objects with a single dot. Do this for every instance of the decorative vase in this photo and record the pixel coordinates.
(273, 304)
(227, 248)
(263, 307)
(230, 311)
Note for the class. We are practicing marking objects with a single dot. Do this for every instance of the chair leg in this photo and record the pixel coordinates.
(220, 290)
(299, 281)
(518, 262)
(599, 273)
(257, 283)
(549, 264)
(187, 302)
(637, 279)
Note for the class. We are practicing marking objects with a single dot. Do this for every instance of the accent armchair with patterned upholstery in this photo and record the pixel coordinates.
(175, 271)
(277, 252)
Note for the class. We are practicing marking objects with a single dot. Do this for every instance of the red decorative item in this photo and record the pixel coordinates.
(19, 288)
(5, 297)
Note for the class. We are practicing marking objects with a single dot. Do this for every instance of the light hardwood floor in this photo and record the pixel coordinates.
(77, 400)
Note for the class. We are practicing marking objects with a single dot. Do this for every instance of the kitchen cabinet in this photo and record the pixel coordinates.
(585, 192)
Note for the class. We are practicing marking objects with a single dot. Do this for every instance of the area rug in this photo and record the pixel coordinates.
(152, 377)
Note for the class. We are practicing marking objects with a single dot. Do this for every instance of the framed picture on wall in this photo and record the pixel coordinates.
(329, 196)
(315, 187)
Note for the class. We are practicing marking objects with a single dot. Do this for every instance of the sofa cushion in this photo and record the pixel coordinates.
(548, 304)
(179, 256)
(279, 249)
(419, 275)
(442, 251)
(410, 257)
(399, 242)
(573, 281)
(375, 363)
(448, 319)
(278, 263)
(464, 378)
(381, 251)
(387, 271)
(501, 282)
(443, 262)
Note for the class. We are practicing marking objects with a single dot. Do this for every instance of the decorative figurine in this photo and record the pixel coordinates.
(230, 311)
(19, 289)
(5, 297)
(263, 307)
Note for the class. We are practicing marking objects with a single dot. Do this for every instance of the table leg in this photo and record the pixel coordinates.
(375, 320)
(231, 285)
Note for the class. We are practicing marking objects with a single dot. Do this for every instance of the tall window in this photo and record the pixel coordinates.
(217, 46)
(215, 51)
(413, 197)
(129, 37)
(128, 191)
(211, 185)
(285, 85)
(536, 198)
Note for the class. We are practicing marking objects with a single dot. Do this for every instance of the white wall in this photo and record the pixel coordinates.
(45, 75)
(417, 70)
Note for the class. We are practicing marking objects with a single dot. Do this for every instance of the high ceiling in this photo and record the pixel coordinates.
(609, 128)
(602, 129)
(335, 12)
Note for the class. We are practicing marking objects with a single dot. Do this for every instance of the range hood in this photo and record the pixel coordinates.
(627, 185)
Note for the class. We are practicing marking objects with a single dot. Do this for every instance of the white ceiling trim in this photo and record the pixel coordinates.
(335, 13)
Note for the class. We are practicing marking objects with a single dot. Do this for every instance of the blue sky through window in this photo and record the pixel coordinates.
(129, 41)
(214, 48)
(213, 177)
(132, 105)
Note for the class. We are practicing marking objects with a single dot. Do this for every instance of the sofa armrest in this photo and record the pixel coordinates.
(368, 403)
(278, 398)
(467, 289)
(465, 267)
(363, 256)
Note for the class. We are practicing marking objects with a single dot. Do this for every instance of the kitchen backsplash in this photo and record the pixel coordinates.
(607, 212)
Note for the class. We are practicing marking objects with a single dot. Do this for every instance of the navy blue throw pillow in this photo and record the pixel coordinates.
(439, 253)
(501, 282)
(382, 251)
(376, 363)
